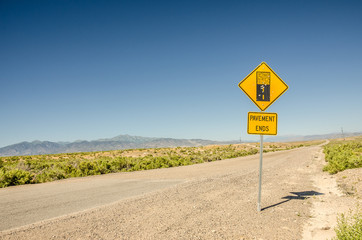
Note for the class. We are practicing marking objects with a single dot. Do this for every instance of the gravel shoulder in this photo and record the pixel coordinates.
(216, 201)
(342, 194)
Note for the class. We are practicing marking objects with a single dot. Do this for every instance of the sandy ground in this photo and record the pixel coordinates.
(342, 194)
(299, 201)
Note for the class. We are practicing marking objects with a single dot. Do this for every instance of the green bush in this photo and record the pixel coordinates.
(119, 164)
(349, 227)
(87, 168)
(342, 156)
(104, 166)
(49, 175)
(15, 177)
(43, 168)
(69, 169)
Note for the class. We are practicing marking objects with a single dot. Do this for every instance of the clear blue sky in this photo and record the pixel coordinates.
(95, 69)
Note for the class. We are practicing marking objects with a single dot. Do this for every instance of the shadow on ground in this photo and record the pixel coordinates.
(296, 196)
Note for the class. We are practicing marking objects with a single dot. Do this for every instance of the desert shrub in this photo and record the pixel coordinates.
(119, 163)
(44, 168)
(69, 169)
(13, 159)
(253, 151)
(341, 156)
(87, 168)
(49, 175)
(38, 165)
(184, 161)
(103, 166)
(349, 227)
(14, 177)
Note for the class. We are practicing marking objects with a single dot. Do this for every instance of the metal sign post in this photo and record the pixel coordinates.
(260, 171)
(263, 86)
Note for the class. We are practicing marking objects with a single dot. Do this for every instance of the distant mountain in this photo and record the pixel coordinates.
(296, 138)
(116, 143)
(129, 138)
(32, 148)
(131, 142)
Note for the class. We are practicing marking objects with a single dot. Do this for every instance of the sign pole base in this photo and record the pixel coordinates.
(260, 171)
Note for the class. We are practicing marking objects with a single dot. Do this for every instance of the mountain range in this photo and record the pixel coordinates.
(116, 143)
(299, 138)
(131, 142)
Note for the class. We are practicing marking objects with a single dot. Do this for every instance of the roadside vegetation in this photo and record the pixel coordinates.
(18, 170)
(341, 155)
(349, 226)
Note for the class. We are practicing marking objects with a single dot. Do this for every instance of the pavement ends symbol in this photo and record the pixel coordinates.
(263, 86)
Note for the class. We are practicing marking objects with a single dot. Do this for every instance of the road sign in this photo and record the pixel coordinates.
(263, 86)
(262, 123)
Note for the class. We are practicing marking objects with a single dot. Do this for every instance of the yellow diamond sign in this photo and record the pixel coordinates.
(263, 86)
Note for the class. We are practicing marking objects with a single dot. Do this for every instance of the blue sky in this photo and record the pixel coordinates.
(95, 69)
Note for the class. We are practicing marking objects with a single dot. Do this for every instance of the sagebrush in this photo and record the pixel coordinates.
(349, 226)
(342, 155)
(17, 170)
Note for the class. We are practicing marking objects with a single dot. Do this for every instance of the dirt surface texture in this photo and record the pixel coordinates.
(216, 200)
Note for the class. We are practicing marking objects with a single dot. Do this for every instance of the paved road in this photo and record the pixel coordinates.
(27, 204)
(23, 205)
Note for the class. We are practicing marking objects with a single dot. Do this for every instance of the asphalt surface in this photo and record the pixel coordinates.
(28, 204)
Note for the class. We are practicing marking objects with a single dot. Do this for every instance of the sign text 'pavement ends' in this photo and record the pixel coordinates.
(262, 123)
(263, 86)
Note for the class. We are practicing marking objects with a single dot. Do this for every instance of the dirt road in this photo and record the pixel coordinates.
(216, 200)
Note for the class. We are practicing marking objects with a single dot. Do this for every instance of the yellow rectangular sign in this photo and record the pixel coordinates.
(262, 123)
